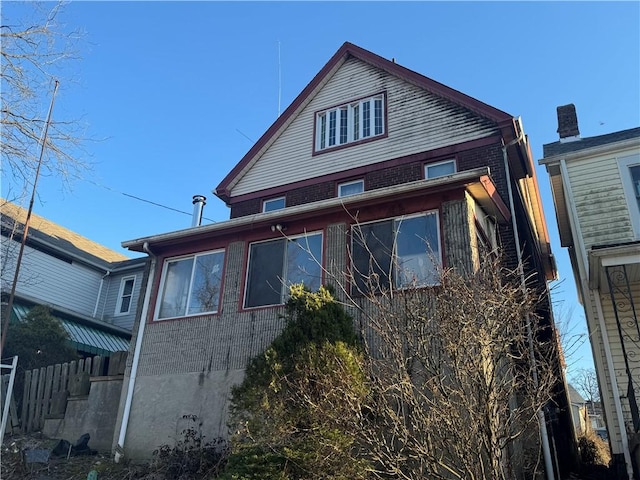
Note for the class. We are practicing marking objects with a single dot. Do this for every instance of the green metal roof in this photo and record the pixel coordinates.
(82, 337)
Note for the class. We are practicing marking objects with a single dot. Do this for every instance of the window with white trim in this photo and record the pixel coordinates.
(439, 169)
(190, 285)
(350, 188)
(630, 174)
(403, 252)
(350, 122)
(125, 295)
(274, 265)
(273, 204)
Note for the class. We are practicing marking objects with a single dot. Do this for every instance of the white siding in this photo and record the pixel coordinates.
(631, 343)
(600, 201)
(50, 280)
(417, 121)
(111, 290)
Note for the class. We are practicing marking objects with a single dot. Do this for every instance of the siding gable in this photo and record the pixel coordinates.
(600, 201)
(417, 121)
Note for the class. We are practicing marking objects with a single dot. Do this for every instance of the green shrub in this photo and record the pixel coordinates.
(296, 414)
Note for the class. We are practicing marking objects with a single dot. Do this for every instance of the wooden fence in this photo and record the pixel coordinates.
(13, 421)
(42, 384)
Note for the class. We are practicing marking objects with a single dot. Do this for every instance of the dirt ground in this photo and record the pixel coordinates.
(16, 465)
(25, 458)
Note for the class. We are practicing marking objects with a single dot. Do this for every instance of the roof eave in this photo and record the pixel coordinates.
(477, 181)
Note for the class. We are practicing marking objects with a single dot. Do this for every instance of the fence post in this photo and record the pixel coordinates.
(8, 397)
(40, 399)
(33, 389)
(25, 401)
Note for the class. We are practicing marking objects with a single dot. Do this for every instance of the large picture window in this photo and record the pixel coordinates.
(274, 265)
(400, 252)
(191, 285)
(350, 122)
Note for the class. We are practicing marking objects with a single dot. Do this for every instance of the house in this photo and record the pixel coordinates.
(596, 192)
(367, 145)
(92, 289)
(579, 411)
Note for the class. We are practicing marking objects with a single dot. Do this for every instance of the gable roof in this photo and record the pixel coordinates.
(574, 396)
(560, 148)
(346, 51)
(52, 235)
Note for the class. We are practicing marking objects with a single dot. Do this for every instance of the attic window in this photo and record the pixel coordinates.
(351, 122)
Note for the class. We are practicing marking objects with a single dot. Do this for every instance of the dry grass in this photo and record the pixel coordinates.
(593, 450)
(14, 466)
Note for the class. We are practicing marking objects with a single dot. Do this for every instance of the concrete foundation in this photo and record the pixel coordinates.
(94, 414)
(163, 406)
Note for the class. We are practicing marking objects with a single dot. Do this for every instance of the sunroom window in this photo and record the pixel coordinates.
(350, 122)
(191, 285)
(400, 252)
(274, 265)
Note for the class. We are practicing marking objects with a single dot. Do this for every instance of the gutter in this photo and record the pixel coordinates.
(119, 449)
(590, 151)
(544, 437)
(95, 309)
(466, 178)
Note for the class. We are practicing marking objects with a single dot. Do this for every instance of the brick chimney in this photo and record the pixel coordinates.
(568, 123)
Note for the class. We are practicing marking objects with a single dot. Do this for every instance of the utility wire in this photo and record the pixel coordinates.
(145, 200)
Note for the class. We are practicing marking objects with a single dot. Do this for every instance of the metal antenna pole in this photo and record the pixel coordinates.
(5, 324)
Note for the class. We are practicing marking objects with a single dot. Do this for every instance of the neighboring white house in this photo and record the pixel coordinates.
(579, 412)
(596, 191)
(92, 289)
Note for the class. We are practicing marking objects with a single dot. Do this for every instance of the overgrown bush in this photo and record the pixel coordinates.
(191, 457)
(296, 413)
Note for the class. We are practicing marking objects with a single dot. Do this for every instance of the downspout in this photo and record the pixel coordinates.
(586, 291)
(95, 309)
(544, 437)
(119, 450)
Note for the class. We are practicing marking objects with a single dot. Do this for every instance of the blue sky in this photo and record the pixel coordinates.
(175, 93)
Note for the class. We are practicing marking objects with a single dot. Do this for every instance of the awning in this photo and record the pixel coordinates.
(84, 338)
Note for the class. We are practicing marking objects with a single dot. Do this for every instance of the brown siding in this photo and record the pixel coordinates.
(460, 239)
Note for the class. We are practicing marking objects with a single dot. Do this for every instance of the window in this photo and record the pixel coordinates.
(274, 265)
(273, 204)
(403, 252)
(350, 188)
(191, 285)
(350, 122)
(630, 174)
(125, 295)
(440, 169)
